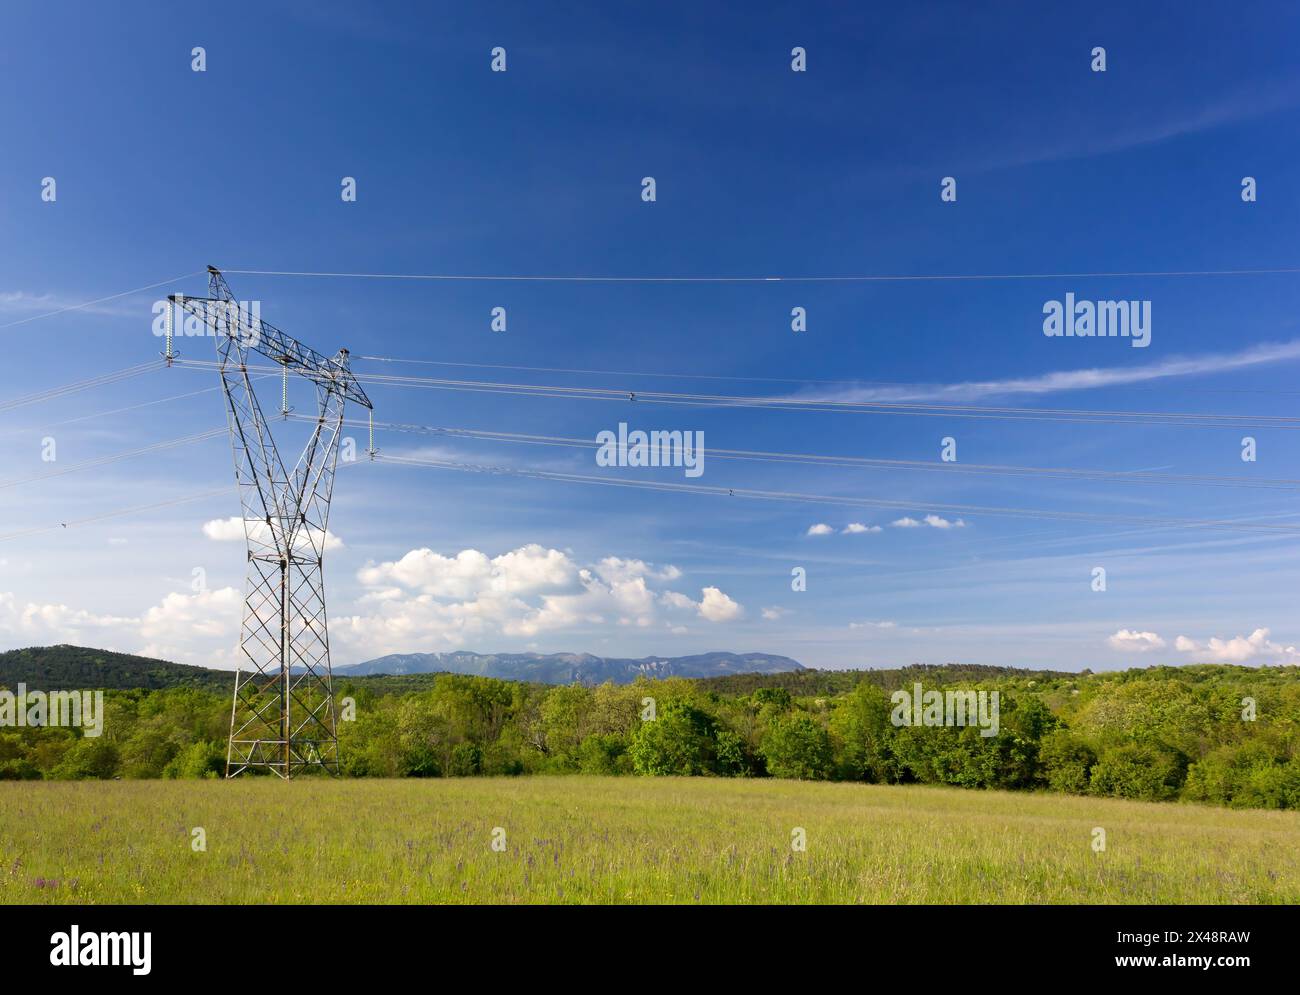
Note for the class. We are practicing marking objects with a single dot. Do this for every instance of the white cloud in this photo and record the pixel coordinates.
(55, 622)
(200, 628)
(426, 601)
(873, 625)
(1239, 649)
(857, 528)
(773, 613)
(612, 569)
(469, 573)
(933, 521)
(675, 599)
(232, 530)
(1083, 379)
(717, 607)
(1130, 641)
(820, 529)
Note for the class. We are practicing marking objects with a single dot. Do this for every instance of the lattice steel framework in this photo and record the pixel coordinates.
(282, 718)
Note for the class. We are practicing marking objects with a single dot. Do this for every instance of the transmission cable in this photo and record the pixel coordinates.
(115, 458)
(871, 278)
(859, 462)
(792, 496)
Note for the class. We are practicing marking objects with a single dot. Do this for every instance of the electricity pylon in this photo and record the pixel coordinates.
(282, 718)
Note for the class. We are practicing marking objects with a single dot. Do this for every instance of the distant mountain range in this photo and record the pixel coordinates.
(66, 668)
(567, 668)
(56, 668)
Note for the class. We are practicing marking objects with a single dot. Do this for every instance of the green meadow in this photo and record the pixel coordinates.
(587, 839)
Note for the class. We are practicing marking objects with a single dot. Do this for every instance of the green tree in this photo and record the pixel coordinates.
(861, 725)
(1067, 762)
(89, 758)
(678, 742)
(1142, 771)
(798, 747)
(204, 759)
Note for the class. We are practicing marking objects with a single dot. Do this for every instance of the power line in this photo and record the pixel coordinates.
(114, 514)
(860, 462)
(793, 496)
(871, 278)
(625, 373)
(928, 409)
(114, 458)
(100, 300)
(902, 384)
(147, 404)
(50, 393)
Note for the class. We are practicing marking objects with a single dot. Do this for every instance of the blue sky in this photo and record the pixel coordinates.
(760, 171)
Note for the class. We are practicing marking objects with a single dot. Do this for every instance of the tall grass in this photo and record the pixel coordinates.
(605, 840)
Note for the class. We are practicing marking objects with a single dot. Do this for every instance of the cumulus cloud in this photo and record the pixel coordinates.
(857, 528)
(232, 530)
(718, 607)
(1130, 641)
(50, 620)
(820, 529)
(1239, 649)
(427, 600)
(675, 599)
(933, 521)
(614, 569)
(470, 573)
(773, 613)
(199, 628)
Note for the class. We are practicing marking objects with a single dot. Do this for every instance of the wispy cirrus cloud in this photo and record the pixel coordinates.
(21, 302)
(1087, 378)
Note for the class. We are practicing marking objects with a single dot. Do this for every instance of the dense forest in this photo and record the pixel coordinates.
(1218, 734)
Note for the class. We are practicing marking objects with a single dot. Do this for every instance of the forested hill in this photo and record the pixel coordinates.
(66, 668)
(70, 668)
(833, 682)
(570, 668)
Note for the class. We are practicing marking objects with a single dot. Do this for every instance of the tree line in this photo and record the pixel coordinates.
(1215, 734)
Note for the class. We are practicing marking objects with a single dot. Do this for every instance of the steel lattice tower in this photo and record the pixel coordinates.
(282, 718)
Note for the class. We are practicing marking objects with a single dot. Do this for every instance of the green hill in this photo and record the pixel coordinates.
(68, 668)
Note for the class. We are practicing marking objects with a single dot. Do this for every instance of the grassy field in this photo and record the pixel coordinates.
(582, 839)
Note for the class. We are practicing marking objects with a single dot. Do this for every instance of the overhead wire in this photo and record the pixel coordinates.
(860, 462)
(99, 461)
(100, 300)
(118, 513)
(1084, 415)
(798, 497)
(898, 384)
(863, 278)
(103, 379)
